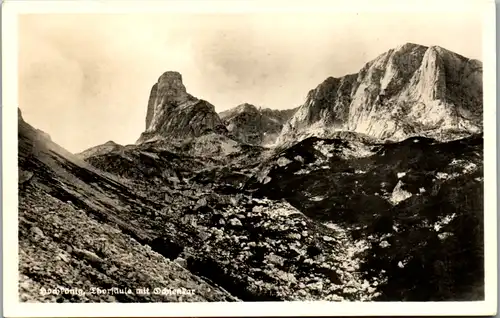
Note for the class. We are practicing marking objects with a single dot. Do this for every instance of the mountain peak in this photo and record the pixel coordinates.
(170, 75)
(170, 90)
(174, 113)
(409, 90)
(408, 46)
(172, 81)
(246, 107)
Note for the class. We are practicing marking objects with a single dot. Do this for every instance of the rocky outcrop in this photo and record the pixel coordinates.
(409, 90)
(173, 113)
(344, 218)
(100, 149)
(255, 126)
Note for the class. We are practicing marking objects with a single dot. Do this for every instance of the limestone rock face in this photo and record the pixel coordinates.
(255, 126)
(193, 206)
(408, 91)
(173, 113)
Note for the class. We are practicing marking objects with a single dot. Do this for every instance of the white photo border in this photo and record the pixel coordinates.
(14, 308)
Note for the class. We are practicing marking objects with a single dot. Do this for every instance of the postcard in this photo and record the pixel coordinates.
(216, 158)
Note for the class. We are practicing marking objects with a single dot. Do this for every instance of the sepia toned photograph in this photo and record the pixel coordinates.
(252, 157)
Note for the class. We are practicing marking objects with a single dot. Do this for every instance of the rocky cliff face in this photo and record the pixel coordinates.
(256, 126)
(173, 113)
(343, 218)
(407, 91)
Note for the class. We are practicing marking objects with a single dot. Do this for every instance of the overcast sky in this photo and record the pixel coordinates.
(85, 79)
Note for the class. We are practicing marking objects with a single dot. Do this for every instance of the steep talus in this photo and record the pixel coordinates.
(81, 228)
(408, 91)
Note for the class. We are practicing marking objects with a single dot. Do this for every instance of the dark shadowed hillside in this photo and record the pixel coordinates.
(347, 206)
(410, 204)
